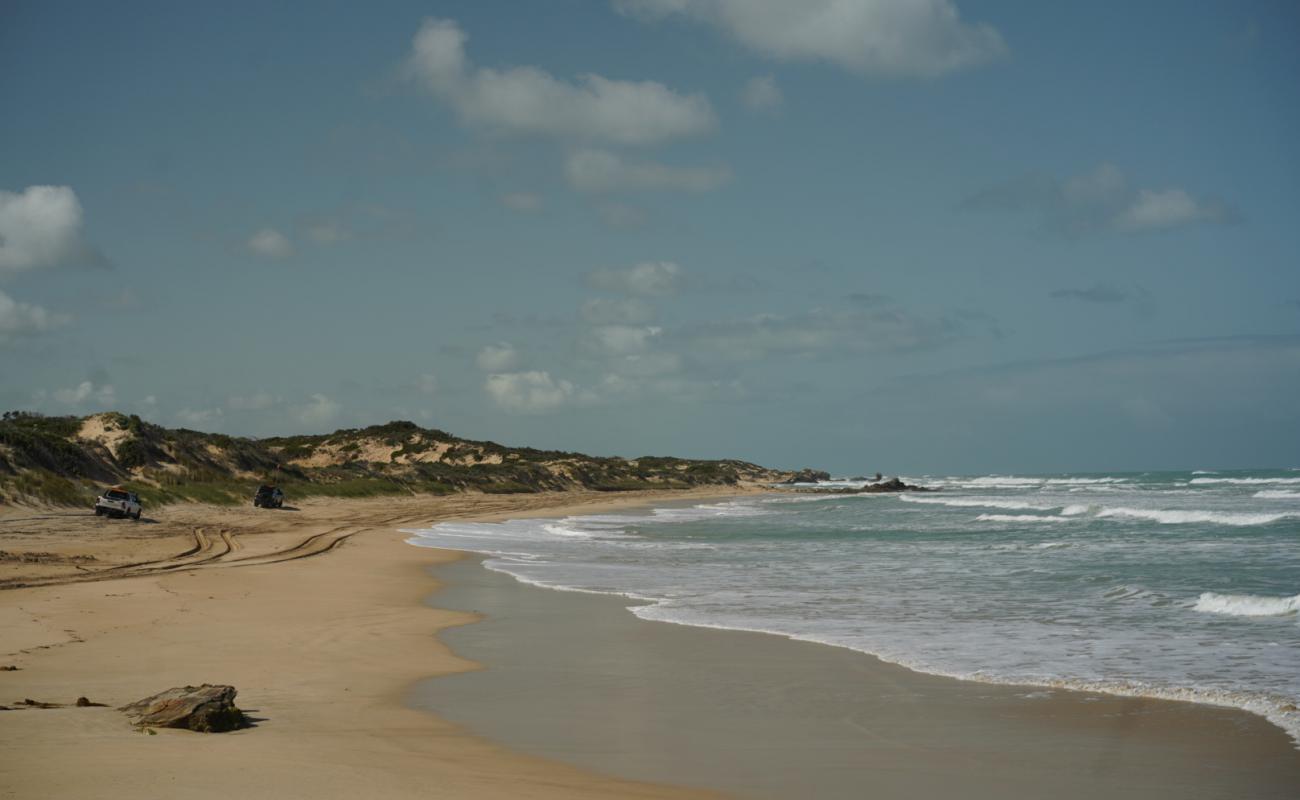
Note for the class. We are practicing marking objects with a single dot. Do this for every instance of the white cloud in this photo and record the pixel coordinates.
(257, 401)
(40, 227)
(825, 332)
(762, 94)
(603, 171)
(319, 410)
(621, 340)
(270, 243)
(499, 357)
(529, 100)
(645, 365)
(1152, 210)
(523, 202)
(102, 395)
(648, 278)
(924, 38)
(534, 392)
(605, 311)
(322, 232)
(1102, 200)
(24, 319)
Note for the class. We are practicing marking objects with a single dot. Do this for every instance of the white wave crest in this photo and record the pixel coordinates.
(1277, 494)
(1191, 516)
(1247, 605)
(561, 530)
(1246, 481)
(1018, 518)
(975, 502)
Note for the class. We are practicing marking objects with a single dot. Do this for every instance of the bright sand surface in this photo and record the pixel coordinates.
(328, 650)
(322, 649)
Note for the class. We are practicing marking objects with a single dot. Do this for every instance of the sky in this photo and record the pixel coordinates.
(918, 236)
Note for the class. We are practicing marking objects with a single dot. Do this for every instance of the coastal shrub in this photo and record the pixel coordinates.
(44, 485)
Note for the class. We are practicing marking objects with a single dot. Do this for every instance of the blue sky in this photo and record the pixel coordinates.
(859, 234)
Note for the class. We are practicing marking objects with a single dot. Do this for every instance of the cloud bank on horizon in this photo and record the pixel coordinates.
(662, 225)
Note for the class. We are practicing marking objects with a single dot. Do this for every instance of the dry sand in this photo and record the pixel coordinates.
(314, 614)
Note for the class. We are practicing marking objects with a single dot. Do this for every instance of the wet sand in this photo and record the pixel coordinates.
(315, 616)
(577, 678)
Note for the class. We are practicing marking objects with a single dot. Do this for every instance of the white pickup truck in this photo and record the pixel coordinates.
(118, 502)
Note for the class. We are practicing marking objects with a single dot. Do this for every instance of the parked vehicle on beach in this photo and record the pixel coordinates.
(118, 502)
(268, 497)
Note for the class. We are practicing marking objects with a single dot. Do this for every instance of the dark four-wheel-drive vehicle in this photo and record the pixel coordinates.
(268, 497)
(118, 502)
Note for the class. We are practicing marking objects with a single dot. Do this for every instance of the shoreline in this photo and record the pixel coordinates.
(323, 650)
(1271, 709)
(331, 654)
(575, 676)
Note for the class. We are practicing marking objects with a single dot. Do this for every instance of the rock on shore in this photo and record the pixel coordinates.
(206, 708)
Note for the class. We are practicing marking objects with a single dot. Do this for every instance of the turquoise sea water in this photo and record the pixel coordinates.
(1172, 584)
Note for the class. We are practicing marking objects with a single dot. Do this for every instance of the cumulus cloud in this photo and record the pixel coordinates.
(257, 401)
(603, 171)
(649, 278)
(921, 38)
(529, 100)
(1101, 200)
(523, 202)
(102, 395)
(1167, 209)
(270, 243)
(826, 332)
(19, 320)
(762, 94)
(41, 227)
(621, 340)
(324, 232)
(499, 357)
(533, 392)
(606, 311)
(318, 410)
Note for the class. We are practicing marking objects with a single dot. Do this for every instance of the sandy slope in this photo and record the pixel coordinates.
(315, 614)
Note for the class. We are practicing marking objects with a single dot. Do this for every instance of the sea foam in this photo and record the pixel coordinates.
(1190, 516)
(1245, 481)
(1247, 605)
(976, 502)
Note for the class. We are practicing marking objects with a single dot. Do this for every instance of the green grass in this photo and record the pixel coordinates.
(45, 485)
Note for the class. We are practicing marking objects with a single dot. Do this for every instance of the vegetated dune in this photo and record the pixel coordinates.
(64, 460)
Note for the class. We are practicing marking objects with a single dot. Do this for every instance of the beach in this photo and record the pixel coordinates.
(323, 651)
(325, 620)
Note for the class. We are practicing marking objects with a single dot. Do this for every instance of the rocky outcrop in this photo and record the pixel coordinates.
(206, 708)
(808, 476)
(892, 485)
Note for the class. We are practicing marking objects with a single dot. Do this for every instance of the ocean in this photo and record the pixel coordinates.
(1181, 585)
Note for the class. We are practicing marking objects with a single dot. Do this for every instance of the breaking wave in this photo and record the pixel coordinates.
(1183, 517)
(1246, 481)
(1247, 605)
(1018, 518)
